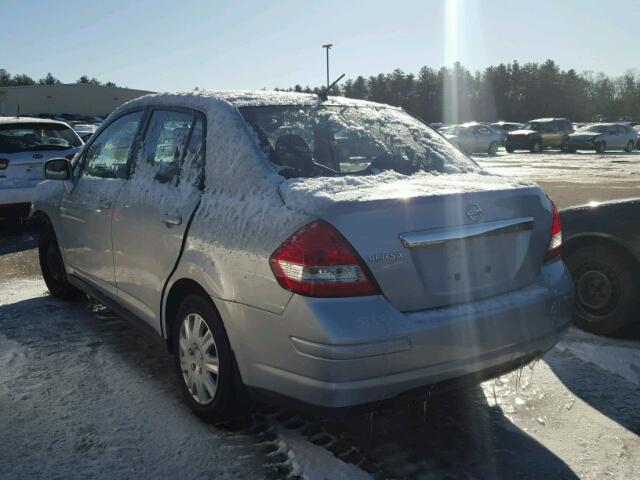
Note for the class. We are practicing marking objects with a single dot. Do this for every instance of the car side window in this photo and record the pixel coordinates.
(107, 155)
(480, 130)
(165, 143)
(193, 164)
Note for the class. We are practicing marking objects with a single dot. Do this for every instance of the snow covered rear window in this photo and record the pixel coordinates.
(30, 137)
(315, 141)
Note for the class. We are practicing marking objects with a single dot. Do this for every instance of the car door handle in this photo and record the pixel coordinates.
(171, 219)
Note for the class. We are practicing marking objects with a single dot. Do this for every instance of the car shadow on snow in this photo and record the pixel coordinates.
(610, 394)
(461, 435)
(457, 435)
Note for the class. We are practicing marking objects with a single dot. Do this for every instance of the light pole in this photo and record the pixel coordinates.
(328, 47)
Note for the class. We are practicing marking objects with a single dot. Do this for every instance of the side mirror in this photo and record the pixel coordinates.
(57, 169)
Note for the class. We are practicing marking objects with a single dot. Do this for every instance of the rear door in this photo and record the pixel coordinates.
(155, 206)
(87, 207)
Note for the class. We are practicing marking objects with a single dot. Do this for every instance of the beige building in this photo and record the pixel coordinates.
(74, 98)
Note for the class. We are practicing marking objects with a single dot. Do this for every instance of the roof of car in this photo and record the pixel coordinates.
(14, 120)
(257, 98)
(547, 119)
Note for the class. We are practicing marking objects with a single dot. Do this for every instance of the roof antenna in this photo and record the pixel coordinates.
(323, 93)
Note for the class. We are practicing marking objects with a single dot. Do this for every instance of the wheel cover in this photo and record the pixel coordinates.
(198, 359)
(597, 290)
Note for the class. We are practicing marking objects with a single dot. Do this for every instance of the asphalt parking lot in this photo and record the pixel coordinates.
(83, 394)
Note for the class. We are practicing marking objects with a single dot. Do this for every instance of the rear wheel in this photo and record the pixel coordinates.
(204, 360)
(600, 147)
(606, 289)
(629, 147)
(536, 146)
(52, 265)
(493, 148)
(509, 149)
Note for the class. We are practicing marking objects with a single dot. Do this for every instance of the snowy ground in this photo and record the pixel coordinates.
(572, 178)
(85, 395)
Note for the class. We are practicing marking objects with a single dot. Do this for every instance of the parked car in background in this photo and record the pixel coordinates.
(602, 137)
(538, 135)
(602, 250)
(506, 127)
(390, 266)
(25, 145)
(84, 130)
(475, 137)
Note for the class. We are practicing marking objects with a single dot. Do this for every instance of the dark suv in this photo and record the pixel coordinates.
(539, 134)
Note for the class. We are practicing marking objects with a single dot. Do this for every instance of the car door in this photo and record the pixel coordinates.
(482, 138)
(155, 206)
(87, 204)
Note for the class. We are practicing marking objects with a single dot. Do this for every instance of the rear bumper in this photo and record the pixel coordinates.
(345, 352)
(12, 195)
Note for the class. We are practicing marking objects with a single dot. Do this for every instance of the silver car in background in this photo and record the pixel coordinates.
(602, 137)
(333, 251)
(475, 137)
(25, 145)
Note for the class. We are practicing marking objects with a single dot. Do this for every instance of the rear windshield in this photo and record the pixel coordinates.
(29, 137)
(315, 141)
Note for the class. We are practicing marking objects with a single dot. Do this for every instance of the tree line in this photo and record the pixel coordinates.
(18, 80)
(514, 91)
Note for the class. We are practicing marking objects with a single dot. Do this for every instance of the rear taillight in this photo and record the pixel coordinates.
(317, 261)
(4, 163)
(555, 244)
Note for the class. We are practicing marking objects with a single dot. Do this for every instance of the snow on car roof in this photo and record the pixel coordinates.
(13, 120)
(255, 98)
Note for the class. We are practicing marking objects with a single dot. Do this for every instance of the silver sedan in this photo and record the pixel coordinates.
(475, 138)
(602, 137)
(334, 251)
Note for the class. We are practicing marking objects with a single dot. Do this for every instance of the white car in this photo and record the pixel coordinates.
(25, 145)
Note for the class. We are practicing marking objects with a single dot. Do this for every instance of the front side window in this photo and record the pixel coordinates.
(165, 143)
(314, 141)
(107, 155)
(36, 136)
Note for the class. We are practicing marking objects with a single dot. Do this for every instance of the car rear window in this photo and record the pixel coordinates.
(29, 137)
(313, 141)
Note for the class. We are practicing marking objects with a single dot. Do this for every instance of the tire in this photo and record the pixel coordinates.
(629, 147)
(606, 289)
(211, 396)
(536, 146)
(52, 266)
(493, 148)
(600, 147)
(509, 149)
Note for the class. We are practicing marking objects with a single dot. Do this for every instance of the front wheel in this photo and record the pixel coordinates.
(606, 289)
(204, 360)
(629, 147)
(600, 147)
(536, 147)
(52, 266)
(509, 148)
(493, 148)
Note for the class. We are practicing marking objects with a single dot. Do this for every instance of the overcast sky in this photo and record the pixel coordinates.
(166, 45)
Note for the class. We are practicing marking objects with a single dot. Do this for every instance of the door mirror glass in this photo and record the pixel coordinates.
(57, 169)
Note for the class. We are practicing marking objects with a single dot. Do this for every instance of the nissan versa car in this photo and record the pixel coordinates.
(538, 135)
(602, 137)
(337, 252)
(25, 145)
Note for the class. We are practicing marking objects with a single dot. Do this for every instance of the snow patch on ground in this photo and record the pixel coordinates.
(618, 358)
(12, 359)
(312, 462)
